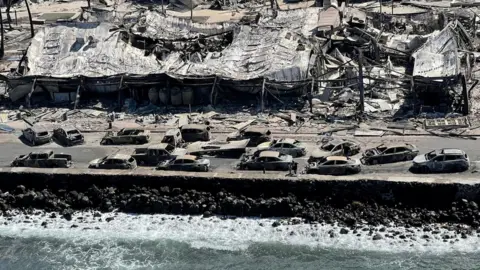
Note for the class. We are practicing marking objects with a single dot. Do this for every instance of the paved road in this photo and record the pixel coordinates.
(11, 146)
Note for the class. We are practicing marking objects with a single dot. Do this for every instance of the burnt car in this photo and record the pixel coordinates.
(115, 161)
(254, 134)
(37, 135)
(268, 160)
(232, 149)
(334, 165)
(335, 147)
(389, 154)
(193, 133)
(290, 147)
(152, 155)
(43, 159)
(68, 136)
(173, 137)
(441, 161)
(127, 136)
(185, 163)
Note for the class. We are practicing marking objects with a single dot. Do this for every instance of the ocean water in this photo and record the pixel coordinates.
(172, 242)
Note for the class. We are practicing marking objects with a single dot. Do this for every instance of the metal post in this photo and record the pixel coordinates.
(163, 9)
(360, 80)
(16, 20)
(2, 53)
(381, 15)
(213, 89)
(465, 108)
(29, 96)
(262, 95)
(191, 10)
(392, 7)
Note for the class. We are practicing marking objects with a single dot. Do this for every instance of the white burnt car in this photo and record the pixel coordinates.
(290, 147)
(185, 163)
(115, 161)
(442, 161)
(334, 165)
(335, 147)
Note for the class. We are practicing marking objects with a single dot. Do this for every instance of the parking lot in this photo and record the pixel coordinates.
(11, 146)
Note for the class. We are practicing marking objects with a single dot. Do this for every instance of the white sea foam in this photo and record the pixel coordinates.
(215, 233)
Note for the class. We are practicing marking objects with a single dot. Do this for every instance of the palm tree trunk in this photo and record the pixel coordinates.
(30, 18)
(2, 48)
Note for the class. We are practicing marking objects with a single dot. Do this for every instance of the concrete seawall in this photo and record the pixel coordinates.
(414, 191)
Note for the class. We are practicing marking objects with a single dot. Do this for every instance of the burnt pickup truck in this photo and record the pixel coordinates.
(152, 155)
(44, 159)
(126, 136)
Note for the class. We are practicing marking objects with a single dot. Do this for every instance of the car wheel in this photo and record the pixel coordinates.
(141, 163)
(374, 162)
(108, 142)
(205, 168)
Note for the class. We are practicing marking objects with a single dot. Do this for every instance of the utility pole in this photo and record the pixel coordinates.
(392, 7)
(360, 80)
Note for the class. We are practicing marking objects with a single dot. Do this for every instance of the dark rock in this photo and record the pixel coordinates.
(207, 214)
(276, 224)
(44, 224)
(74, 226)
(20, 189)
(67, 214)
(377, 237)
(97, 214)
(343, 231)
(108, 219)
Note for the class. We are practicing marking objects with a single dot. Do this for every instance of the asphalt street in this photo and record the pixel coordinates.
(11, 146)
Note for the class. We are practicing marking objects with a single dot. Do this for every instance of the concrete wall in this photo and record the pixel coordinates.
(341, 190)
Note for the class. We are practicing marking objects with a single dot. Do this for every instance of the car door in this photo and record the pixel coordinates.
(338, 150)
(327, 167)
(189, 165)
(106, 164)
(437, 163)
(388, 156)
(289, 149)
(451, 163)
(28, 134)
(401, 153)
(258, 163)
(176, 165)
(277, 147)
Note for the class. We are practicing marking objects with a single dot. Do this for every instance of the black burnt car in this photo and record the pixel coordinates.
(68, 136)
(254, 134)
(389, 154)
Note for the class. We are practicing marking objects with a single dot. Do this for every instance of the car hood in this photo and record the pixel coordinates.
(317, 153)
(420, 159)
(264, 145)
(179, 152)
(95, 161)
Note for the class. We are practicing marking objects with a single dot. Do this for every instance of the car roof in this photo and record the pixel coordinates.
(128, 129)
(119, 156)
(194, 126)
(38, 128)
(158, 146)
(41, 152)
(256, 129)
(68, 128)
(337, 158)
(451, 151)
(398, 145)
(171, 132)
(190, 157)
(269, 154)
(287, 140)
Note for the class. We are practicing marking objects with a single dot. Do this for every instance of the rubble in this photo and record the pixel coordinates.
(298, 69)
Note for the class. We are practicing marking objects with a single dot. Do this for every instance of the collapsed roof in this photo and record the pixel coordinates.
(85, 49)
(91, 50)
(155, 25)
(438, 56)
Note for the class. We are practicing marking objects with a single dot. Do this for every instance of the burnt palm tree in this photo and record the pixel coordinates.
(2, 48)
(30, 18)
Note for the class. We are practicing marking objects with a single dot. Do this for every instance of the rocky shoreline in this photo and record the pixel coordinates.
(461, 217)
